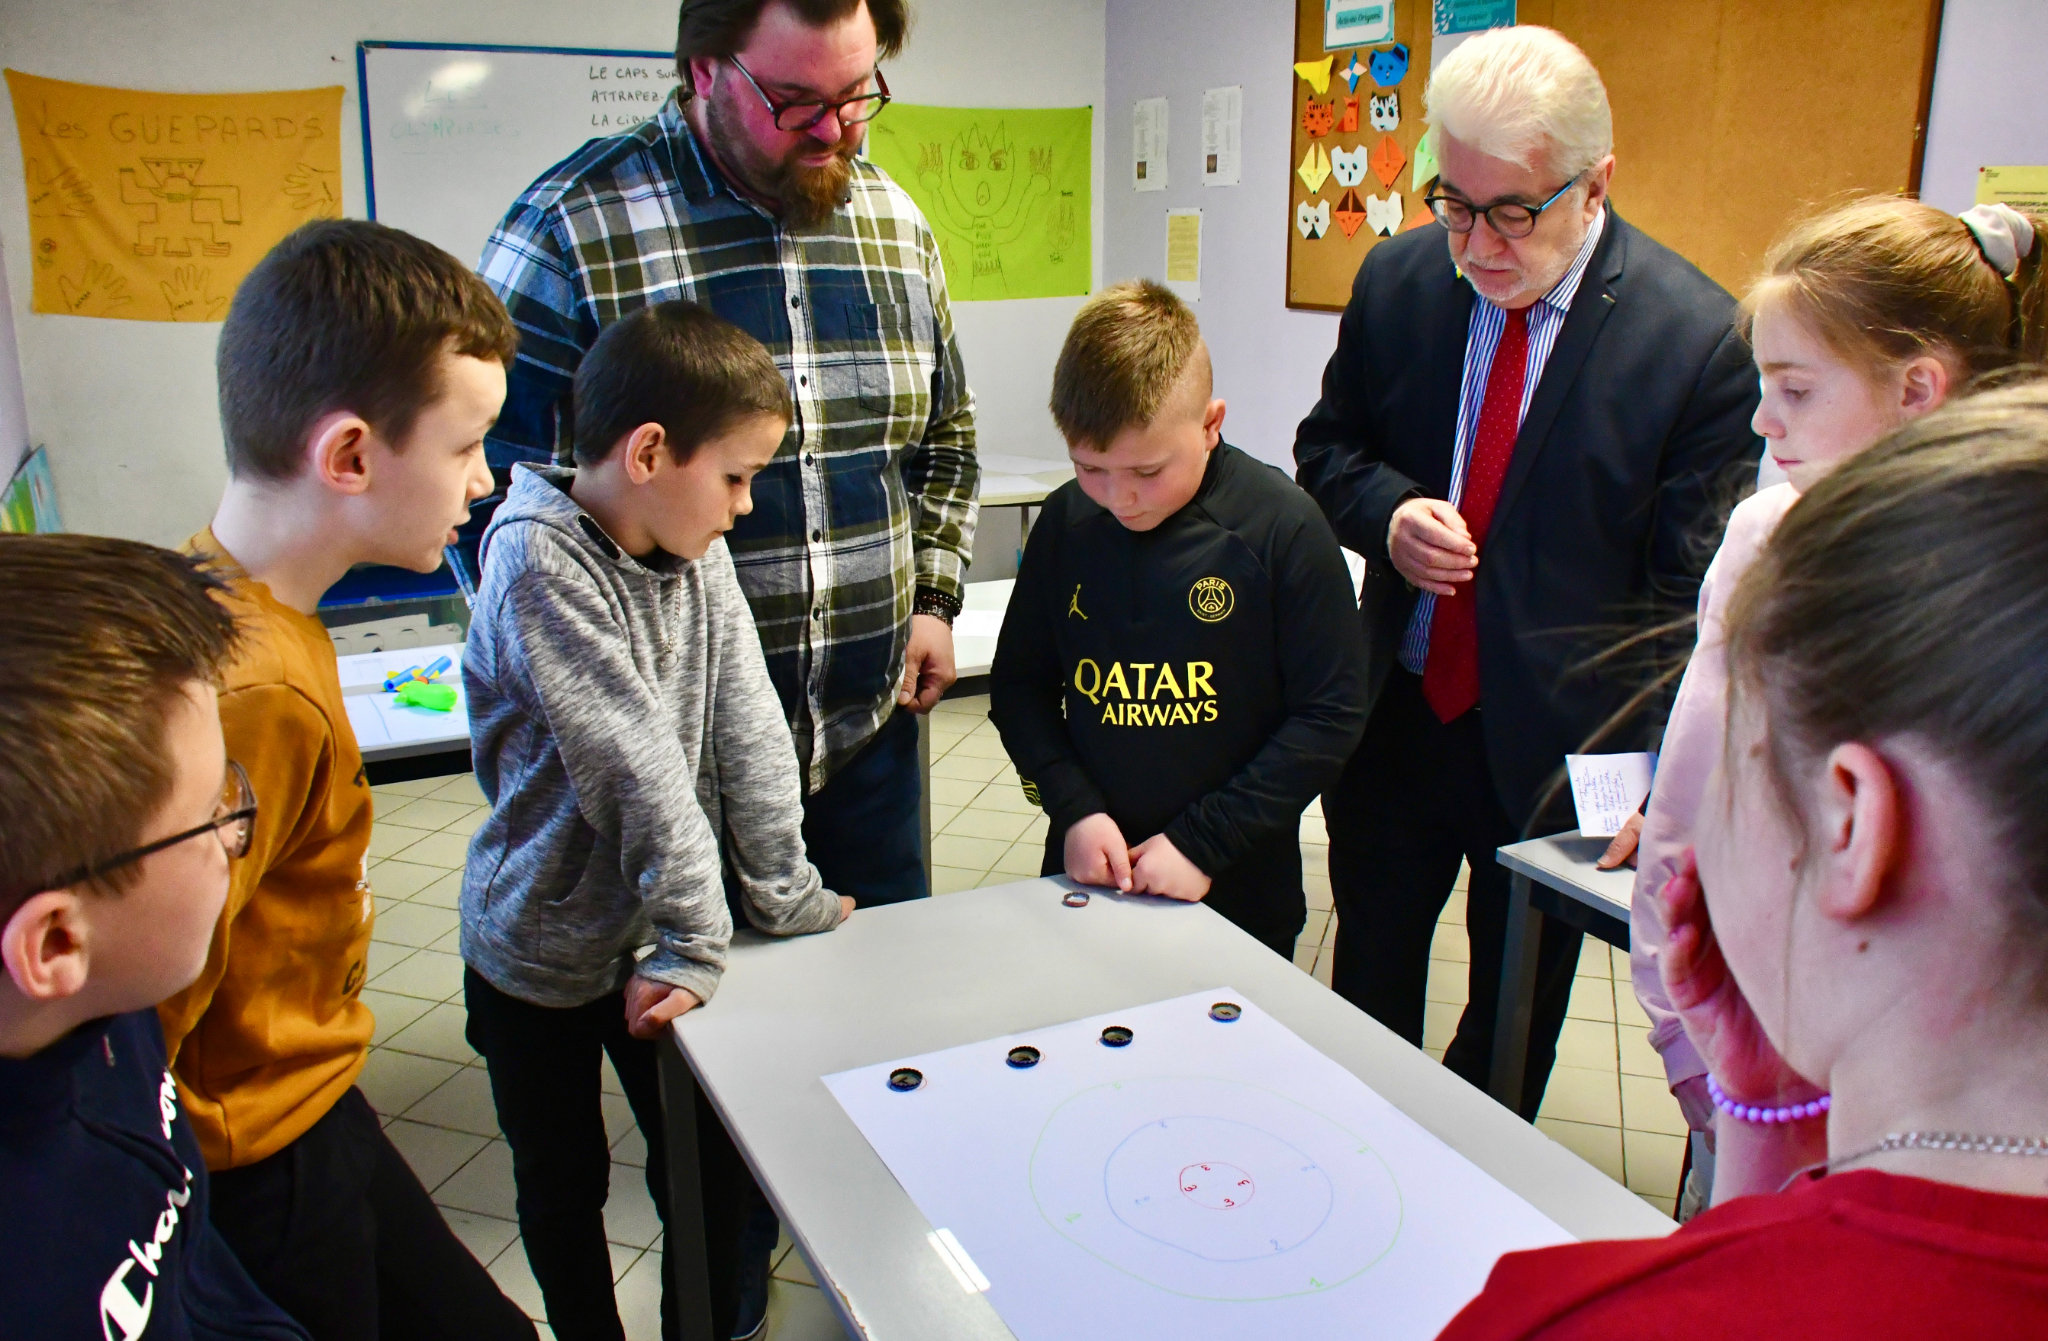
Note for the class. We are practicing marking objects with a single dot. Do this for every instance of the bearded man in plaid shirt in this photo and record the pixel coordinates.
(743, 193)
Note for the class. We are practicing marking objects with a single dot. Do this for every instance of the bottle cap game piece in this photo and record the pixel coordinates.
(1023, 1057)
(905, 1080)
(1076, 898)
(1225, 1011)
(1116, 1036)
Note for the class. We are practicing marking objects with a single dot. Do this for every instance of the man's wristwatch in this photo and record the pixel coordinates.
(932, 601)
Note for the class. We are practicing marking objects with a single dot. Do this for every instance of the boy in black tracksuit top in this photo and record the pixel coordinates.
(120, 813)
(1181, 668)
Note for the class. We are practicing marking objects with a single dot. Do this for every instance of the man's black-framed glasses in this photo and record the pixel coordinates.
(800, 116)
(234, 819)
(1509, 218)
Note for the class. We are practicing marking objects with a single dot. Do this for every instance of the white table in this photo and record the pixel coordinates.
(387, 729)
(1548, 877)
(913, 977)
(1009, 480)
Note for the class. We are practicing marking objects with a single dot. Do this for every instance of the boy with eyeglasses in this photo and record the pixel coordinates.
(359, 368)
(121, 812)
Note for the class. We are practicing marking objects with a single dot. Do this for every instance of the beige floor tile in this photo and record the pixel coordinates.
(411, 788)
(461, 1103)
(1638, 1058)
(1582, 1094)
(392, 1012)
(629, 1215)
(484, 1185)
(1449, 982)
(462, 787)
(469, 823)
(975, 745)
(446, 850)
(401, 879)
(1653, 1161)
(425, 973)
(414, 924)
(1598, 1146)
(974, 822)
(618, 1116)
(437, 1033)
(1587, 1043)
(967, 853)
(444, 892)
(1627, 1009)
(638, 1293)
(953, 879)
(1663, 1205)
(608, 1079)
(1313, 829)
(1035, 829)
(1317, 927)
(1647, 1105)
(955, 791)
(1450, 942)
(515, 1278)
(1454, 909)
(1593, 960)
(630, 1149)
(1439, 1023)
(971, 705)
(395, 1081)
(1325, 965)
(942, 815)
(1021, 862)
(388, 840)
(385, 956)
(1306, 948)
(485, 1236)
(1621, 965)
(1592, 999)
(1011, 799)
(426, 813)
(966, 768)
(795, 1268)
(434, 1153)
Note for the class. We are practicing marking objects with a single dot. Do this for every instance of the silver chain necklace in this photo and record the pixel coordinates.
(1960, 1142)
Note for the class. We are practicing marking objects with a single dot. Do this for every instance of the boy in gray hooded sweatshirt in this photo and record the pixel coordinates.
(640, 773)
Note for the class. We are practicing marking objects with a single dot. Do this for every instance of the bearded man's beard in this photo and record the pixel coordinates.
(803, 196)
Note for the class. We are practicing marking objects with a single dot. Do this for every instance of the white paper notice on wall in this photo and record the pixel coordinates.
(1223, 136)
(1148, 144)
(1608, 788)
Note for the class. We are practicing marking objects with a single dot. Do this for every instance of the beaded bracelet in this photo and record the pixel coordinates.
(1812, 1108)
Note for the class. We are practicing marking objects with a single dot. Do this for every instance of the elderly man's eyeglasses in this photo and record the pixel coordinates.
(798, 116)
(234, 820)
(1509, 218)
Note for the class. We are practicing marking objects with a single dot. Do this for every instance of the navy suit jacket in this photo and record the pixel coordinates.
(1636, 444)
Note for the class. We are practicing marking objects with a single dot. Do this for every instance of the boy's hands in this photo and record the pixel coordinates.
(845, 906)
(1096, 853)
(1158, 867)
(651, 1006)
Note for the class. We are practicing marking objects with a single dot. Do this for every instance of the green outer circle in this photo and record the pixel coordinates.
(1400, 1205)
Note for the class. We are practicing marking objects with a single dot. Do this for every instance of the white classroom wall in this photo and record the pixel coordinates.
(127, 407)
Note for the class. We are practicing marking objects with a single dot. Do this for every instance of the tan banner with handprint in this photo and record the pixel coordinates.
(152, 206)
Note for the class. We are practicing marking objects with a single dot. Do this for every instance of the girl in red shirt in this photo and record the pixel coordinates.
(1860, 953)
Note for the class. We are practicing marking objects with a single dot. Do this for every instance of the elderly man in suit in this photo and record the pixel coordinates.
(1529, 440)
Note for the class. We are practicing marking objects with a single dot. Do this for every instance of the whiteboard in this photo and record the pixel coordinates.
(453, 134)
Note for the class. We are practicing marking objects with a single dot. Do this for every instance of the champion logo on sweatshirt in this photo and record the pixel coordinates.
(125, 1308)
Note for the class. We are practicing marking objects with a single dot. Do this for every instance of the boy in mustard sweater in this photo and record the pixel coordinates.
(359, 368)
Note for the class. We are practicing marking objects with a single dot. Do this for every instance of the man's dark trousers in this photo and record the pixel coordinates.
(864, 829)
(1416, 797)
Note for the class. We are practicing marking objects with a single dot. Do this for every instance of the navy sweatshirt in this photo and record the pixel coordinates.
(1204, 679)
(103, 1201)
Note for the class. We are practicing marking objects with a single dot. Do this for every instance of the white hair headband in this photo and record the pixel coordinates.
(2003, 234)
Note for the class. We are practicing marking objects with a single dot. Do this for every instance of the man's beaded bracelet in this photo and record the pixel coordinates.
(932, 601)
(1812, 1108)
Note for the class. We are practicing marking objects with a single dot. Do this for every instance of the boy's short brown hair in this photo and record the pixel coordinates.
(1128, 349)
(678, 365)
(100, 634)
(345, 314)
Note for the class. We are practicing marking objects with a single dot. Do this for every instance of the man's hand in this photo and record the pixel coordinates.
(651, 1006)
(1157, 867)
(927, 664)
(1430, 546)
(845, 906)
(1096, 853)
(1623, 848)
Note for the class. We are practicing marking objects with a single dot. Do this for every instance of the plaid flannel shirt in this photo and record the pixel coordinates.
(871, 495)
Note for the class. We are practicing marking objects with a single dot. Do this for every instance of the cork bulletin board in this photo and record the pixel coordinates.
(1731, 117)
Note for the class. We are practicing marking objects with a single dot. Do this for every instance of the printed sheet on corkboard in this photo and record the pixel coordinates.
(1357, 126)
(153, 206)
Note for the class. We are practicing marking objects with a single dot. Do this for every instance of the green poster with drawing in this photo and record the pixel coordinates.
(1006, 191)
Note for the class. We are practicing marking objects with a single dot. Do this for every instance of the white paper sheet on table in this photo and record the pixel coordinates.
(1210, 1179)
(379, 719)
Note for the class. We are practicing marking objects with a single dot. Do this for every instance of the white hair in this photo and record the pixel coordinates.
(1524, 94)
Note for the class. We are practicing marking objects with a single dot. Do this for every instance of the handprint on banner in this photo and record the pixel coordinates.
(97, 291)
(187, 293)
(57, 193)
(314, 190)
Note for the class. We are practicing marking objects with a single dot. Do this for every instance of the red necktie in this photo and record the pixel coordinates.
(1450, 674)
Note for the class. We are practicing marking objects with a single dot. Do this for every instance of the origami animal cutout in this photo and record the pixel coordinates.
(1388, 67)
(1348, 165)
(1318, 118)
(1384, 216)
(1352, 73)
(1385, 110)
(1315, 168)
(1317, 73)
(1347, 124)
(1349, 214)
(1387, 160)
(1313, 219)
